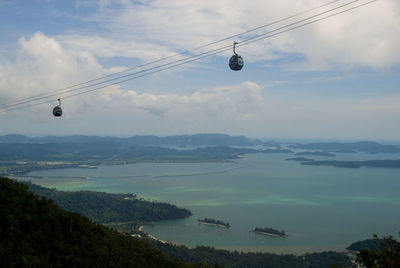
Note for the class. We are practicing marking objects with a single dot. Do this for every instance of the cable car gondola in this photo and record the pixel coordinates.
(57, 111)
(236, 62)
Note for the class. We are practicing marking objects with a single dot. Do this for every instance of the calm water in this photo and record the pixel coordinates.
(319, 207)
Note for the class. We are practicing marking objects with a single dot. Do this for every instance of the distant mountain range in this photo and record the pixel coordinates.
(352, 147)
(179, 140)
(20, 143)
(114, 151)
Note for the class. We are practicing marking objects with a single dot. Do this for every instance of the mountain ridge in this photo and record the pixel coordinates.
(201, 139)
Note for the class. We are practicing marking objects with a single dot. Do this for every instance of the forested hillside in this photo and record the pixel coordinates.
(105, 207)
(227, 259)
(34, 232)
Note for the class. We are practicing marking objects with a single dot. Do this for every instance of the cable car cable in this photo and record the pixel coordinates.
(21, 101)
(194, 58)
(205, 54)
(159, 66)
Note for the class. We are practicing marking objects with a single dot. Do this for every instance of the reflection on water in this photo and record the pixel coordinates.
(319, 207)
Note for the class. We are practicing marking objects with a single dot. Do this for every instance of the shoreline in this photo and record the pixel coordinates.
(158, 240)
(140, 229)
(23, 171)
(297, 251)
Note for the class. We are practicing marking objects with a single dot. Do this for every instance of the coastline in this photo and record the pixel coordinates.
(22, 170)
(158, 240)
(140, 229)
(202, 231)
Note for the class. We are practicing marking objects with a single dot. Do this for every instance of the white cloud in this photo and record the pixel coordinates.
(369, 36)
(365, 37)
(43, 65)
(237, 101)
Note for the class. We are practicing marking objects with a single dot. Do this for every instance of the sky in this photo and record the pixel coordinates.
(333, 79)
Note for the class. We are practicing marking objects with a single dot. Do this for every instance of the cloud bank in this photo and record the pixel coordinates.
(238, 104)
(368, 37)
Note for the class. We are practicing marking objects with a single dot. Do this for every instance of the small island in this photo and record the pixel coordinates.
(300, 159)
(317, 153)
(214, 222)
(277, 151)
(270, 232)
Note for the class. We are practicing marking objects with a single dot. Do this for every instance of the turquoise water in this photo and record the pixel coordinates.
(319, 207)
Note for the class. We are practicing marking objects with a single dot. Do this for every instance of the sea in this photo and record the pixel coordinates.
(319, 207)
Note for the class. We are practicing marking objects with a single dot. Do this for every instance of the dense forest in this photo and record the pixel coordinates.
(34, 232)
(106, 208)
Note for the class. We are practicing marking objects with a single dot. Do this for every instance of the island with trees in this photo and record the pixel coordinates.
(300, 159)
(208, 221)
(269, 231)
(277, 151)
(316, 153)
(387, 163)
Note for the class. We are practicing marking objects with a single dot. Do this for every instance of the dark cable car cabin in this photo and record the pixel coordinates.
(236, 62)
(57, 111)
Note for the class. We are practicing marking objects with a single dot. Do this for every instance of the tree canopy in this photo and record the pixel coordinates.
(34, 232)
(388, 256)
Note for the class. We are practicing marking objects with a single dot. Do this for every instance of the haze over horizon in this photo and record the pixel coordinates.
(335, 79)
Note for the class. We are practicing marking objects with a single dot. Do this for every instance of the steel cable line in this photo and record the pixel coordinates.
(200, 56)
(262, 36)
(21, 101)
(160, 66)
(209, 53)
(227, 48)
(81, 85)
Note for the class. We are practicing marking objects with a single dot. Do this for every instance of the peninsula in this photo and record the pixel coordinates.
(388, 163)
(353, 147)
(214, 222)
